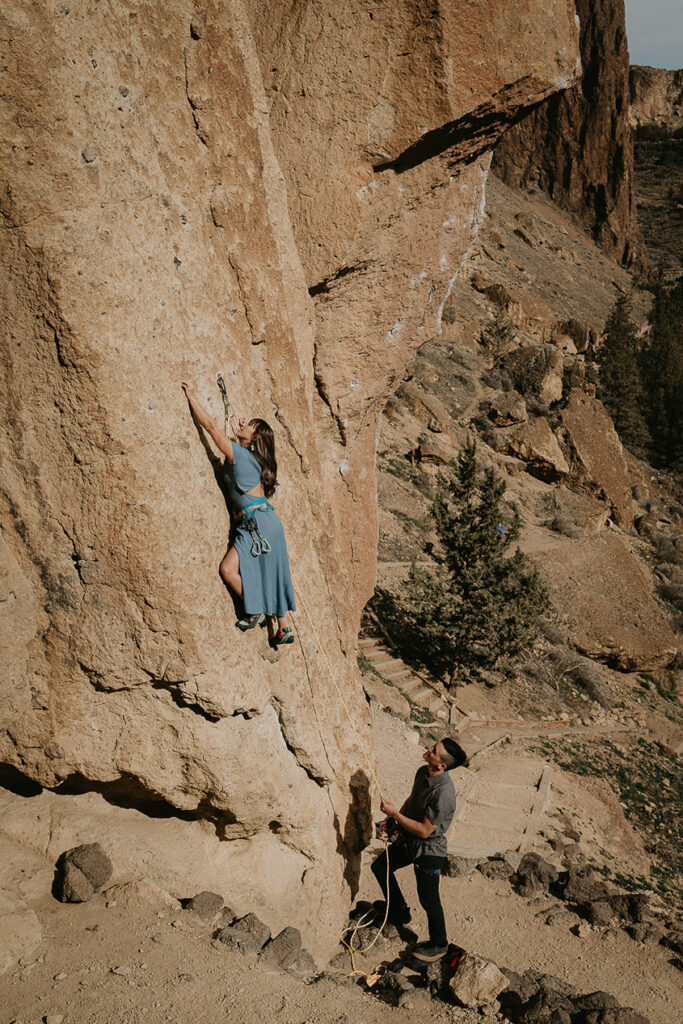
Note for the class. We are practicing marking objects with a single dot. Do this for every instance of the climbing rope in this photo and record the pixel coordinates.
(260, 544)
(361, 923)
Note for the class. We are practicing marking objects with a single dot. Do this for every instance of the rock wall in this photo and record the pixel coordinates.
(285, 193)
(578, 147)
(656, 97)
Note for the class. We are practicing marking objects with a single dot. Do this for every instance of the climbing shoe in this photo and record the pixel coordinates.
(428, 953)
(285, 637)
(249, 621)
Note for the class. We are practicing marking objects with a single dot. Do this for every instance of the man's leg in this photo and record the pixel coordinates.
(427, 876)
(398, 858)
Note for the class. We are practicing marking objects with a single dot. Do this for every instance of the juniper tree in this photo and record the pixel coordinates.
(480, 603)
(620, 388)
(497, 335)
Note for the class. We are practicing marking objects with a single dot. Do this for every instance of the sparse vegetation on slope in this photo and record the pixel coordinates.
(649, 783)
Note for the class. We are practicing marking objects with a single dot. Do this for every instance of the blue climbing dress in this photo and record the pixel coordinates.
(266, 579)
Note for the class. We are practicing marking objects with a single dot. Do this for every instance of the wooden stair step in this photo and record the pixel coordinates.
(398, 674)
(366, 642)
(377, 651)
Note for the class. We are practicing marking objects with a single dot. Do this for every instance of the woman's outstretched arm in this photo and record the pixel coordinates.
(222, 442)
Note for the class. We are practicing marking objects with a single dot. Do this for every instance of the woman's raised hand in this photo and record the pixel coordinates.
(187, 388)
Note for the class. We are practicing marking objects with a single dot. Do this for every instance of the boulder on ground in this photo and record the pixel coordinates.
(508, 408)
(283, 949)
(598, 454)
(583, 885)
(477, 982)
(427, 408)
(599, 913)
(304, 964)
(496, 867)
(81, 872)
(646, 931)
(537, 370)
(585, 512)
(206, 905)
(526, 310)
(439, 450)
(20, 931)
(564, 343)
(578, 332)
(535, 444)
(456, 867)
(141, 891)
(534, 875)
(248, 935)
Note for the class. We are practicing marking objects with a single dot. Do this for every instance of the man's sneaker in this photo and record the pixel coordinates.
(428, 953)
(249, 621)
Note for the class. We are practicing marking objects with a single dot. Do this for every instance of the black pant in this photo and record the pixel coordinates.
(427, 875)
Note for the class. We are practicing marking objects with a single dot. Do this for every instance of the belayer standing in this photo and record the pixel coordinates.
(423, 821)
(256, 567)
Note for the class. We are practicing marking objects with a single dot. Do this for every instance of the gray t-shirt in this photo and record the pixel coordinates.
(434, 797)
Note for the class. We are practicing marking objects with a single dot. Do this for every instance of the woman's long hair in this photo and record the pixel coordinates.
(262, 446)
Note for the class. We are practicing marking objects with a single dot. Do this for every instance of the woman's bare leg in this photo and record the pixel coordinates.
(282, 623)
(229, 570)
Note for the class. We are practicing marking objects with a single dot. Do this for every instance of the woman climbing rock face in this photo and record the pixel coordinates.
(256, 567)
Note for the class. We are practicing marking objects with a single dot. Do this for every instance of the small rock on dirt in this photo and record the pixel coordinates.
(477, 982)
(284, 948)
(206, 905)
(534, 874)
(455, 867)
(81, 872)
(249, 934)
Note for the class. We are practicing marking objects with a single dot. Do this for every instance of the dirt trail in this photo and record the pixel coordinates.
(167, 970)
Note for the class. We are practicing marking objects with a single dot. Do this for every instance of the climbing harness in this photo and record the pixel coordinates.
(247, 516)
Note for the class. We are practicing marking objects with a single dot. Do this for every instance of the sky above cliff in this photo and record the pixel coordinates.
(655, 32)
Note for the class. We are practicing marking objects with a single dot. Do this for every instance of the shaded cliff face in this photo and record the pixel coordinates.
(286, 194)
(577, 147)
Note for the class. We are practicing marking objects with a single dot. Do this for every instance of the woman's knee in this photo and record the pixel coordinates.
(227, 571)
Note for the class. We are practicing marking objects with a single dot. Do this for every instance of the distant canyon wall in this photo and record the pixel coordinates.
(656, 97)
(578, 146)
(285, 193)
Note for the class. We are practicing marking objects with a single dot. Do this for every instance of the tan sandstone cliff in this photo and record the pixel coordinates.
(284, 192)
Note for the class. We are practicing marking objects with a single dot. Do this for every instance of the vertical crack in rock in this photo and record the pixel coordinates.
(300, 755)
(243, 298)
(199, 131)
(322, 391)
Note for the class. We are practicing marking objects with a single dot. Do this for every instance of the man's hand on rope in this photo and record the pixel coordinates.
(388, 808)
